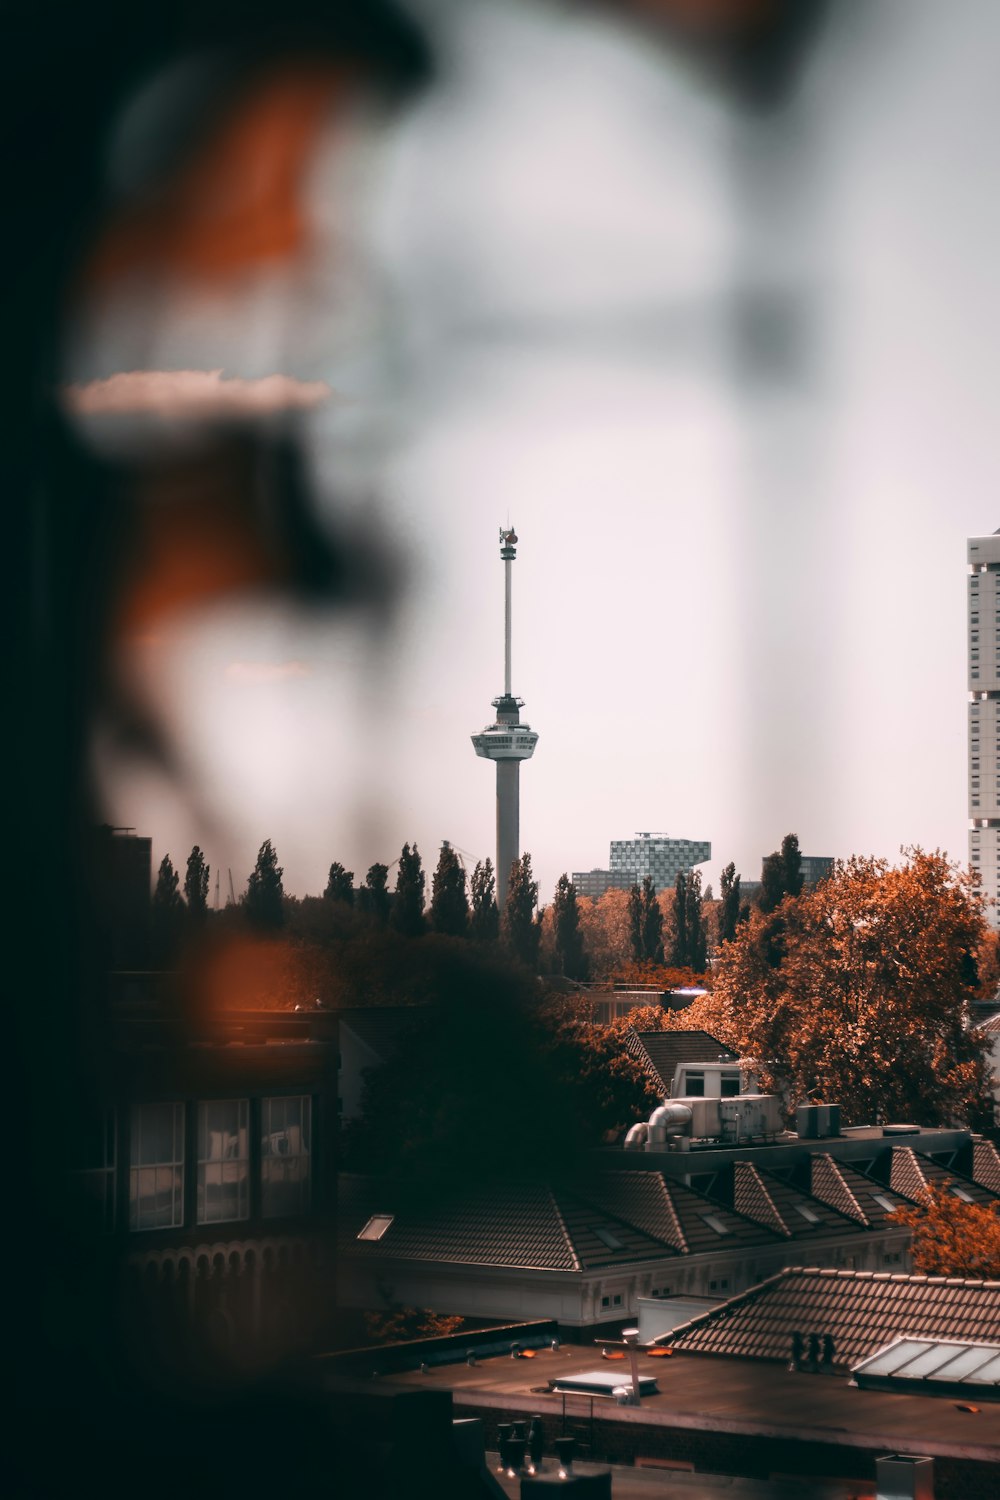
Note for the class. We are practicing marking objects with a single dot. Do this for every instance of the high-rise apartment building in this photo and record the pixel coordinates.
(984, 714)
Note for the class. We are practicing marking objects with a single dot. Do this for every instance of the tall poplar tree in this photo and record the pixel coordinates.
(729, 906)
(781, 874)
(679, 950)
(449, 910)
(340, 885)
(407, 914)
(484, 920)
(566, 920)
(652, 923)
(167, 912)
(518, 927)
(196, 886)
(375, 893)
(265, 894)
(695, 924)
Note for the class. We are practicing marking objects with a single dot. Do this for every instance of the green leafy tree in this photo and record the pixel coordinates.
(196, 886)
(781, 874)
(375, 894)
(484, 920)
(681, 947)
(340, 885)
(652, 924)
(729, 904)
(695, 924)
(519, 930)
(407, 914)
(168, 912)
(265, 894)
(570, 956)
(634, 912)
(449, 911)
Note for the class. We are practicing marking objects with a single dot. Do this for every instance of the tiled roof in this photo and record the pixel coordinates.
(986, 1165)
(609, 1219)
(803, 1213)
(830, 1183)
(510, 1224)
(862, 1310)
(642, 1199)
(660, 1052)
(991, 1024)
(913, 1173)
(752, 1198)
(850, 1191)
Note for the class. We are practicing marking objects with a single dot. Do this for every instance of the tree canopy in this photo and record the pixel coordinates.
(375, 894)
(858, 991)
(167, 912)
(196, 886)
(407, 913)
(265, 894)
(953, 1238)
(340, 884)
(730, 912)
(484, 919)
(449, 910)
(570, 957)
(781, 874)
(519, 929)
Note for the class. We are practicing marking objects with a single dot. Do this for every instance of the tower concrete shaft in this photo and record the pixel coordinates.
(507, 741)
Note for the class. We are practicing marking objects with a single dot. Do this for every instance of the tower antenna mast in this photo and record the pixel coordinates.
(507, 741)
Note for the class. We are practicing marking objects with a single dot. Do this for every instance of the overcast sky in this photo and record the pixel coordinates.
(732, 381)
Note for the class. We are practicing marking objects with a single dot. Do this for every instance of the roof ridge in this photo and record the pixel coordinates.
(577, 1262)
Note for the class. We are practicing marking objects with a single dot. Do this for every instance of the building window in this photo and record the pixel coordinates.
(94, 1159)
(605, 1301)
(722, 1285)
(694, 1085)
(285, 1167)
(156, 1167)
(223, 1160)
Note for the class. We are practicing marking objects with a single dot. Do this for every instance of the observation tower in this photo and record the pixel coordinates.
(508, 742)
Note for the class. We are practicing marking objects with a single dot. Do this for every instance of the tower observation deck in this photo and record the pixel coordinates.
(507, 741)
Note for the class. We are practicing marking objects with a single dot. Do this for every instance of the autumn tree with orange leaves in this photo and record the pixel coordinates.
(952, 1238)
(858, 992)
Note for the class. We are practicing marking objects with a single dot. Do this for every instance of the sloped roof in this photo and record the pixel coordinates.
(609, 1219)
(508, 1224)
(913, 1173)
(851, 1191)
(803, 1214)
(862, 1310)
(986, 1165)
(660, 1052)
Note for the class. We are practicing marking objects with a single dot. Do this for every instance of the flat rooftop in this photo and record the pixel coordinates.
(707, 1392)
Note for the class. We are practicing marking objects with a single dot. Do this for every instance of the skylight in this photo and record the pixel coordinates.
(715, 1223)
(884, 1202)
(963, 1193)
(807, 1213)
(607, 1238)
(376, 1227)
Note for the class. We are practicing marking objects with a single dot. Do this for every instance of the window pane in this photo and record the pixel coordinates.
(223, 1160)
(285, 1156)
(156, 1171)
